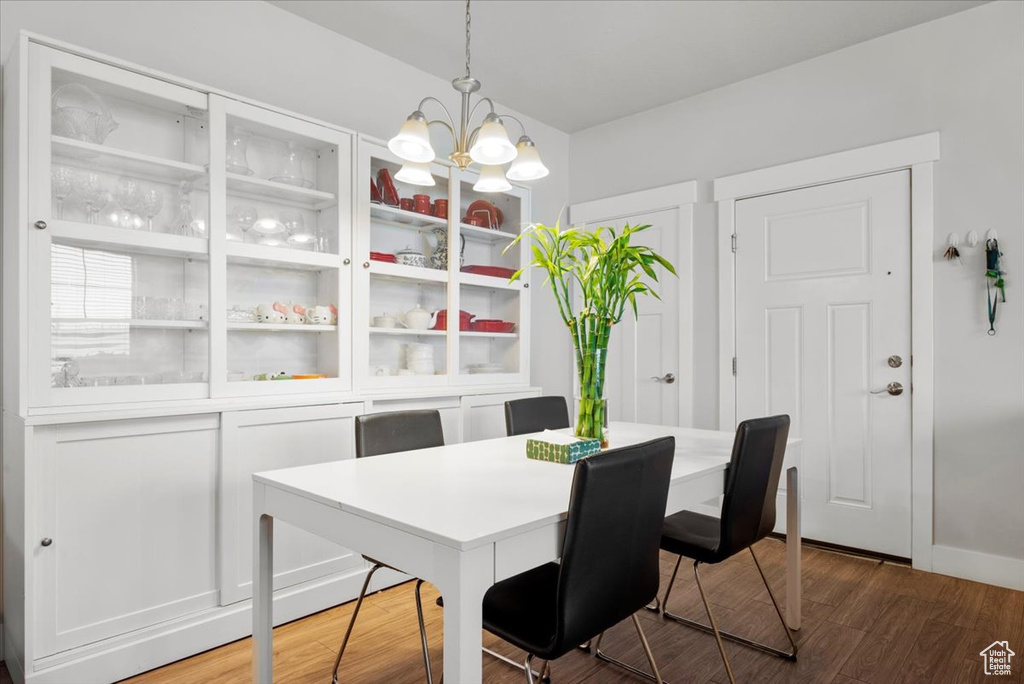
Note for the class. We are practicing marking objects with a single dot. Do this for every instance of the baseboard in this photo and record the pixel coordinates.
(979, 567)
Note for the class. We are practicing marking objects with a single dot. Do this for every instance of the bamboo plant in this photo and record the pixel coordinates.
(608, 273)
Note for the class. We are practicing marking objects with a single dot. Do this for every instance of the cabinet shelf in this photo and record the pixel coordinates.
(260, 188)
(408, 219)
(407, 332)
(283, 327)
(280, 256)
(125, 240)
(123, 162)
(473, 333)
(485, 234)
(491, 282)
(382, 268)
(134, 323)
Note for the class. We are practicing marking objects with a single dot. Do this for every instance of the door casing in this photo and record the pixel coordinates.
(918, 154)
(681, 198)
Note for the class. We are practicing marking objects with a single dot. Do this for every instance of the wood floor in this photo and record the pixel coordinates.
(864, 621)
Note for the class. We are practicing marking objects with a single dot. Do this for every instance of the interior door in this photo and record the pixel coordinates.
(823, 334)
(643, 351)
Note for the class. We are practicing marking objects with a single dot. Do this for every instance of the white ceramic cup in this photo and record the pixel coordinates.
(384, 321)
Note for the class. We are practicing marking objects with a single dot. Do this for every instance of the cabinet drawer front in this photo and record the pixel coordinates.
(255, 441)
(130, 509)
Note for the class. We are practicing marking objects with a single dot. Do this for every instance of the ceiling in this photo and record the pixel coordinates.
(576, 64)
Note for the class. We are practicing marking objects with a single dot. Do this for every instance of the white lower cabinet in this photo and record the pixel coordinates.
(125, 527)
(270, 439)
(483, 416)
(448, 407)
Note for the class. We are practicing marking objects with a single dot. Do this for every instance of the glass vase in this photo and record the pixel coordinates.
(591, 359)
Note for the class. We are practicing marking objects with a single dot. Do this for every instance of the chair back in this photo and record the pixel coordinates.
(523, 416)
(387, 433)
(752, 481)
(609, 568)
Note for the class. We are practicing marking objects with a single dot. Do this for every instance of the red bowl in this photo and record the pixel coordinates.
(490, 325)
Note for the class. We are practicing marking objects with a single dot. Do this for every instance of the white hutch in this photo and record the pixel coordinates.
(189, 297)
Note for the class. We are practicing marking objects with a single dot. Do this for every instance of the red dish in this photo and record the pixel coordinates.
(497, 217)
(490, 325)
(387, 188)
(442, 320)
(380, 256)
(493, 271)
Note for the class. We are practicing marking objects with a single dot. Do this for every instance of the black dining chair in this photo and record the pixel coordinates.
(609, 562)
(535, 414)
(387, 433)
(748, 516)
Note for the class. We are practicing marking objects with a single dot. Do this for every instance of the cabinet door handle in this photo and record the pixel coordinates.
(46, 541)
(347, 261)
(40, 225)
(366, 264)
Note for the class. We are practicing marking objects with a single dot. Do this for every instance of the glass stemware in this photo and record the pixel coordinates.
(61, 185)
(295, 227)
(151, 202)
(291, 170)
(245, 216)
(238, 152)
(127, 194)
(90, 189)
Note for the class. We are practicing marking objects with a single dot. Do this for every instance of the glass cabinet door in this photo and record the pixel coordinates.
(119, 203)
(495, 311)
(282, 217)
(405, 267)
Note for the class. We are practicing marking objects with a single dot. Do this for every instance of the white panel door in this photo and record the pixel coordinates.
(126, 528)
(822, 313)
(483, 416)
(643, 351)
(269, 439)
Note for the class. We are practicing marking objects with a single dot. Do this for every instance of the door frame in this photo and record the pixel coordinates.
(917, 154)
(680, 197)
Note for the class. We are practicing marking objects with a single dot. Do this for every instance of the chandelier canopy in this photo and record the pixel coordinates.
(488, 144)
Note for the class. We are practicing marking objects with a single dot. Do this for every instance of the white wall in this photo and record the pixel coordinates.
(962, 75)
(257, 50)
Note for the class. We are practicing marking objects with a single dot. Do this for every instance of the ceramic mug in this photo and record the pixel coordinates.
(318, 314)
(275, 312)
(421, 204)
(405, 204)
(441, 208)
(334, 314)
(384, 321)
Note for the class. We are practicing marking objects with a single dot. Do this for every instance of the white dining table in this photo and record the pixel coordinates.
(465, 516)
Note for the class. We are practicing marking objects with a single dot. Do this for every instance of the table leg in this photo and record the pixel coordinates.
(262, 594)
(463, 579)
(793, 587)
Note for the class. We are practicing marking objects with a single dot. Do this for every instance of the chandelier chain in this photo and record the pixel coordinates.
(467, 36)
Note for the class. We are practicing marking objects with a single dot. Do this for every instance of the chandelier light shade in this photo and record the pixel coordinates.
(492, 179)
(488, 144)
(413, 140)
(527, 165)
(415, 173)
(492, 145)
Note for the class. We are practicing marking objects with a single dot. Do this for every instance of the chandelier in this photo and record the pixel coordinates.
(488, 144)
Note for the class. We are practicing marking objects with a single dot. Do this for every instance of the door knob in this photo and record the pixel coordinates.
(46, 541)
(895, 361)
(668, 378)
(893, 388)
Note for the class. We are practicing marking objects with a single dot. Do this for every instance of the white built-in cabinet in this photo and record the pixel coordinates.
(156, 353)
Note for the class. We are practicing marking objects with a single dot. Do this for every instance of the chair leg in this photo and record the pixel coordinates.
(539, 675)
(601, 655)
(352, 621)
(778, 611)
(714, 625)
(733, 637)
(528, 668)
(423, 632)
(668, 589)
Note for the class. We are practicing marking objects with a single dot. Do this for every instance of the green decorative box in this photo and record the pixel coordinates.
(540, 450)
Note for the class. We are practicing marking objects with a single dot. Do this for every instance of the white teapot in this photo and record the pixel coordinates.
(275, 312)
(418, 318)
(296, 314)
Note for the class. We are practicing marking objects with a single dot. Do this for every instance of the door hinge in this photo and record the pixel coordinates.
(734, 365)
(734, 242)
